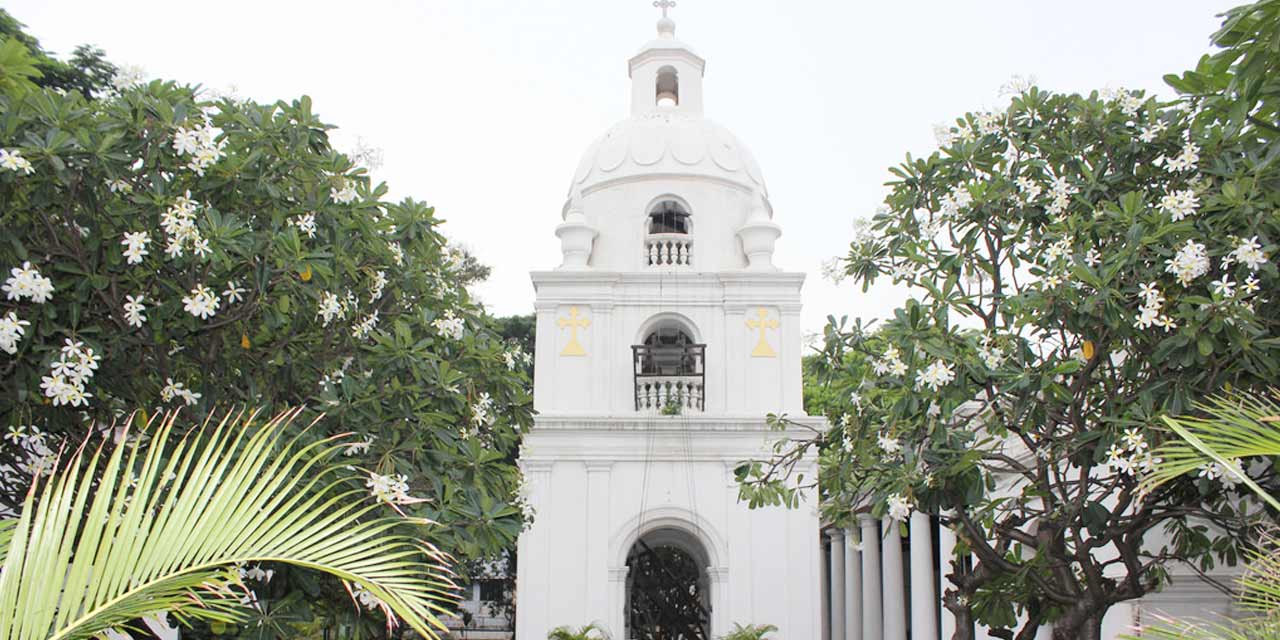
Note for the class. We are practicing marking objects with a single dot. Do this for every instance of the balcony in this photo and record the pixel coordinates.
(668, 250)
(669, 379)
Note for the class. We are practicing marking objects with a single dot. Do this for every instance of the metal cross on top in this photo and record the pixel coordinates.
(664, 5)
(573, 323)
(763, 323)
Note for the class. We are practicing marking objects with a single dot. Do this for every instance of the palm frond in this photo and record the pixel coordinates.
(593, 631)
(1233, 427)
(162, 529)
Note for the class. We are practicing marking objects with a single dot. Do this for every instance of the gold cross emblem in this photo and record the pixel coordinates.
(763, 323)
(573, 323)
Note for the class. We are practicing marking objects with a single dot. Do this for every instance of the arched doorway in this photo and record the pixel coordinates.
(668, 593)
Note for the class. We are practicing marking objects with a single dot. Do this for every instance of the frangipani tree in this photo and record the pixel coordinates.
(1081, 266)
(153, 528)
(165, 247)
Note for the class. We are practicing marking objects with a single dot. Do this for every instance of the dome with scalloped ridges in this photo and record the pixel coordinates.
(666, 144)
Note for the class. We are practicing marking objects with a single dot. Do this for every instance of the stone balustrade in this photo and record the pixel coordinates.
(656, 393)
(668, 250)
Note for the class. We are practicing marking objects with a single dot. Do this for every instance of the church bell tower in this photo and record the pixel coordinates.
(664, 338)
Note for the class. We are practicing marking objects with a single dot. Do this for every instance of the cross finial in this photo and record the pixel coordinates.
(664, 5)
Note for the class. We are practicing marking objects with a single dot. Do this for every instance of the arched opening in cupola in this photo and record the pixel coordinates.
(667, 87)
(668, 216)
(668, 366)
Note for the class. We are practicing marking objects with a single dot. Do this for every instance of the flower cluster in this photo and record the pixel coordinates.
(345, 192)
(1228, 476)
(330, 307)
(366, 598)
(990, 354)
(899, 507)
(26, 282)
(890, 446)
(389, 488)
(127, 76)
(1247, 252)
(201, 143)
(202, 303)
(40, 457)
(306, 223)
(481, 415)
(450, 326)
(133, 310)
(1180, 204)
(1060, 190)
(363, 328)
(936, 375)
(173, 390)
(1186, 159)
(376, 287)
(890, 363)
(69, 374)
(397, 254)
(13, 161)
(1190, 262)
(1130, 454)
(516, 357)
(1150, 313)
(179, 224)
(11, 331)
(359, 446)
(135, 246)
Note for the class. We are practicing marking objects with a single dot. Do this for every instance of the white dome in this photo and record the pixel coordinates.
(664, 143)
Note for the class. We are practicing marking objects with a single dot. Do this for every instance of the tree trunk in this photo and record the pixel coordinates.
(1083, 628)
(963, 616)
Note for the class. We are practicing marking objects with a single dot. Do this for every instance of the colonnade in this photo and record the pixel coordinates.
(866, 594)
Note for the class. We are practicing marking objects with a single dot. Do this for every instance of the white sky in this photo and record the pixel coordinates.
(482, 108)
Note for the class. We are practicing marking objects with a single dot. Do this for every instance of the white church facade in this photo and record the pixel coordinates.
(664, 339)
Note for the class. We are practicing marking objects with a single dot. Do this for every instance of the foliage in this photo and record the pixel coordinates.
(750, 632)
(592, 631)
(87, 71)
(177, 528)
(204, 252)
(1233, 431)
(1083, 266)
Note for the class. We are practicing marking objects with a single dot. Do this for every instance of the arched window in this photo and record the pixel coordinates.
(667, 87)
(668, 216)
(668, 368)
(668, 353)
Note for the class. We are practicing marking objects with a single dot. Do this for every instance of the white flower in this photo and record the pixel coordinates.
(1152, 131)
(1229, 476)
(1250, 286)
(1149, 314)
(119, 186)
(943, 135)
(13, 161)
(330, 307)
(899, 507)
(1189, 263)
(1135, 441)
(890, 363)
(75, 366)
(990, 354)
(305, 223)
(393, 489)
(1028, 189)
(449, 325)
(202, 303)
(1180, 204)
(1186, 159)
(179, 224)
(397, 254)
(128, 76)
(379, 283)
(173, 390)
(133, 309)
(234, 292)
(345, 192)
(937, 375)
(26, 282)
(135, 244)
(17, 434)
(1249, 253)
(359, 446)
(987, 123)
(855, 398)
(1224, 287)
(11, 332)
(365, 598)
(890, 446)
(364, 327)
(1060, 190)
(832, 271)
(201, 143)
(1058, 250)
(1093, 258)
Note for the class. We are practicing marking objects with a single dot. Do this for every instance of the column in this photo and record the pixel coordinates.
(852, 586)
(837, 582)
(619, 596)
(597, 551)
(946, 553)
(924, 601)
(825, 580)
(872, 620)
(895, 609)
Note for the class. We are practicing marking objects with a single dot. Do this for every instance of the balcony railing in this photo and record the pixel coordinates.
(668, 250)
(669, 379)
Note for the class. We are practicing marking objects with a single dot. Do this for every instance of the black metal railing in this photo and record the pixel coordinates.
(669, 378)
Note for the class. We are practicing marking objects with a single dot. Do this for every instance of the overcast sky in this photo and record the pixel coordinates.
(482, 108)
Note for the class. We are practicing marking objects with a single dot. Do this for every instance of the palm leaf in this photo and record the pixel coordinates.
(1233, 427)
(162, 529)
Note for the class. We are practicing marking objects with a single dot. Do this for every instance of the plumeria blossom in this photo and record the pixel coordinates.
(363, 328)
(26, 282)
(11, 332)
(12, 160)
(397, 254)
(306, 223)
(1190, 262)
(450, 326)
(1131, 454)
(68, 375)
(1186, 159)
(832, 271)
(1180, 204)
(890, 363)
(135, 244)
(379, 283)
(179, 224)
(1150, 314)
(936, 375)
(1228, 476)
(390, 488)
(202, 303)
(1028, 190)
(1060, 191)
(128, 76)
(202, 143)
(345, 192)
(990, 353)
(481, 414)
(899, 507)
(359, 446)
(1152, 131)
(234, 293)
(173, 390)
(119, 186)
(1247, 252)
(891, 446)
(133, 309)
